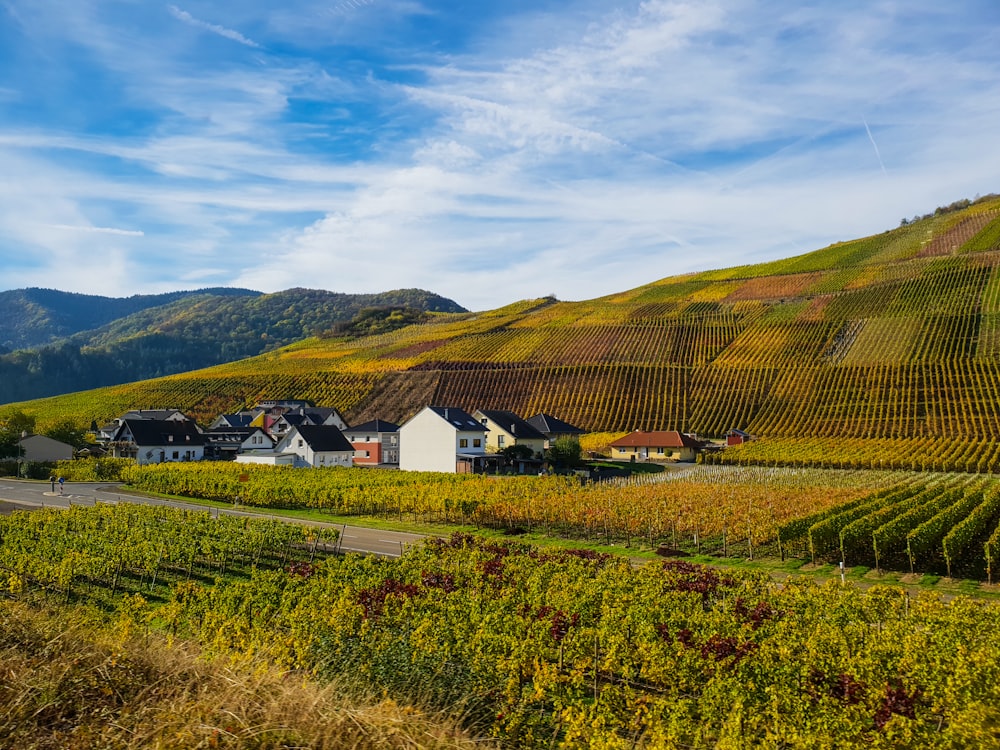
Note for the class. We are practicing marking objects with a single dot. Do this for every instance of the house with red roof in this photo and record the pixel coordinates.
(668, 445)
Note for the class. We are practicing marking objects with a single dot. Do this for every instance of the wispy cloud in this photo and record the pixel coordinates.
(100, 230)
(183, 15)
(488, 154)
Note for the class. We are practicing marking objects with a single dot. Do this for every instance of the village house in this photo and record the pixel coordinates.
(656, 446)
(225, 443)
(737, 437)
(42, 448)
(554, 429)
(442, 438)
(153, 441)
(108, 431)
(277, 421)
(317, 446)
(375, 443)
(505, 429)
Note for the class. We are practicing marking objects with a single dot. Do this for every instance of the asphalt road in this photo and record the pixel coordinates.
(25, 495)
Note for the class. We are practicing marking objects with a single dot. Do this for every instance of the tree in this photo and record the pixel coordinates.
(13, 423)
(565, 452)
(517, 452)
(67, 432)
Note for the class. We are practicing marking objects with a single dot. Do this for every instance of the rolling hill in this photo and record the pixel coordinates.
(891, 340)
(87, 341)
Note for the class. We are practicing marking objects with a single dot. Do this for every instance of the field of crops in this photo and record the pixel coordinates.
(574, 648)
(917, 521)
(136, 548)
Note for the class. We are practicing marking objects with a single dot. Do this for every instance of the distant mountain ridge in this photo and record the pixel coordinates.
(68, 342)
(34, 317)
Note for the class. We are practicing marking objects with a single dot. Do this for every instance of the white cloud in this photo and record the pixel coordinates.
(183, 15)
(574, 155)
(100, 230)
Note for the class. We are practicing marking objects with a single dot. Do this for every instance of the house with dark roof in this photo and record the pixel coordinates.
(108, 431)
(656, 446)
(154, 441)
(553, 429)
(442, 438)
(507, 429)
(375, 443)
(279, 425)
(238, 420)
(225, 443)
(317, 446)
(43, 448)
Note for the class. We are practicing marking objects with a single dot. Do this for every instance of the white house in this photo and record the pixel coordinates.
(108, 431)
(441, 438)
(153, 441)
(317, 446)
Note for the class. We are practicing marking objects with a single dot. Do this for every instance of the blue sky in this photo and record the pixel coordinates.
(486, 151)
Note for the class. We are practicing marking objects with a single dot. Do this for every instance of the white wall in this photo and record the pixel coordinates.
(428, 443)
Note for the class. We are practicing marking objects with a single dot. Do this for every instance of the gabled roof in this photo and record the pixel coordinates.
(293, 419)
(153, 414)
(551, 426)
(243, 419)
(239, 434)
(666, 439)
(458, 418)
(160, 432)
(376, 425)
(323, 438)
(509, 421)
(320, 413)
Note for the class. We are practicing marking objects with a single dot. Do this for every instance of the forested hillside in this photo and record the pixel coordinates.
(167, 334)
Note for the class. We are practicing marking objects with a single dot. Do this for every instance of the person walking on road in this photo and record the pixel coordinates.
(53, 480)
(62, 483)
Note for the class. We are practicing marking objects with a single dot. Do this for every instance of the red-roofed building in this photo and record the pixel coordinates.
(656, 446)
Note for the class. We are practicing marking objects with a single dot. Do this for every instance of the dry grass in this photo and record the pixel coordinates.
(74, 686)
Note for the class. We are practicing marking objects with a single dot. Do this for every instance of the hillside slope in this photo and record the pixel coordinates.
(183, 332)
(36, 317)
(891, 336)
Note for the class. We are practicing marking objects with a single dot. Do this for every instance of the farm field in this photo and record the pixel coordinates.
(935, 523)
(529, 648)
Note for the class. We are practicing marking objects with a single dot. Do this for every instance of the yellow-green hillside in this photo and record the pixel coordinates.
(889, 337)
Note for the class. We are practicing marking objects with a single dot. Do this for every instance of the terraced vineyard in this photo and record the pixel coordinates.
(890, 341)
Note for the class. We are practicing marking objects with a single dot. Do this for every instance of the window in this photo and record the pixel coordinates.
(392, 440)
(368, 438)
(500, 441)
(477, 443)
(367, 454)
(176, 455)
(300, 442)
(463, 443)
